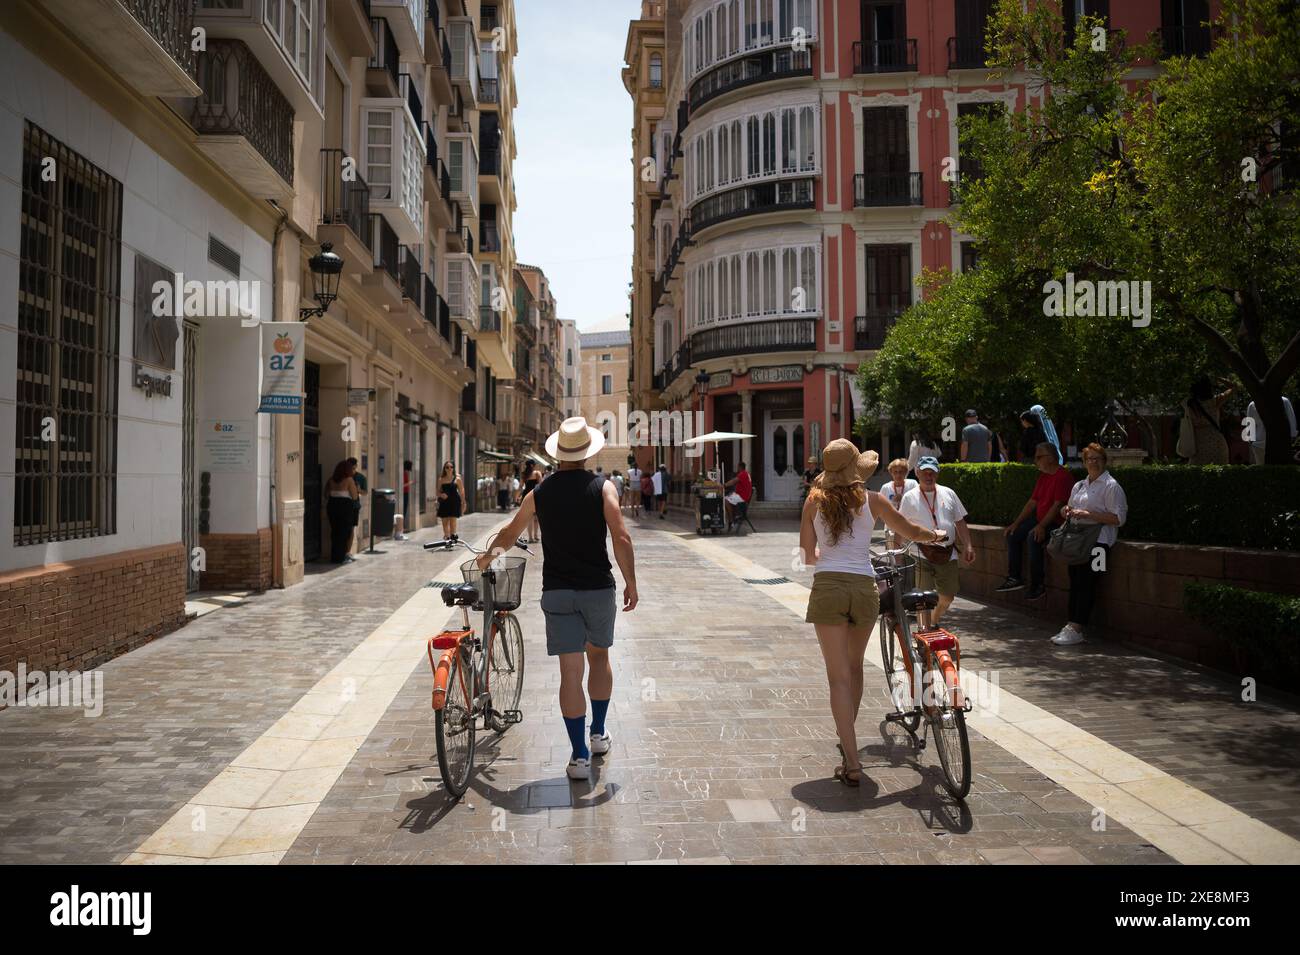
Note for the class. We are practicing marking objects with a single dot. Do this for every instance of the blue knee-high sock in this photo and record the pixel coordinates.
(576, 726)
(598, 710)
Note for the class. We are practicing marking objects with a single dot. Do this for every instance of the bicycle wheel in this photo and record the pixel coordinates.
(896, 670)
(948, 726)
(454, 726)
(506, 669)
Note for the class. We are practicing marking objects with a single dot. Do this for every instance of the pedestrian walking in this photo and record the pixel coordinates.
(1049, 433)
(451, 501)
(1041, 513)
(976, 440)
(922, 446)
(1258, 444)
(810, 472)
(341, 491)
(1097, 499)
(533, 480)
(634, 490)
(661, 491)
(403, 520)
(1031, 435)
(933, 505)
(503, 491)
(897, 485)
(360, 480)
(835, 537)
(648, 493)
(1200, 436)
(577, 510)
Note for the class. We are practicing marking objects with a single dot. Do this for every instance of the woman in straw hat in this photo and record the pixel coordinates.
(835, 535)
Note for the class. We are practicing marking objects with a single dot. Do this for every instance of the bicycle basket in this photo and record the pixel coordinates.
(899, 571)
(509, 587)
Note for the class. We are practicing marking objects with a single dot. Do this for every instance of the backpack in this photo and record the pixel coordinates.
(647, 484)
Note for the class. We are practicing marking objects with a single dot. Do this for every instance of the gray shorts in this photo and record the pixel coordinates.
(575, 618)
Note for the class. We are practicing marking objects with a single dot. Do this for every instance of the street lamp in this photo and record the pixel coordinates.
(326, 267)
(702, 385)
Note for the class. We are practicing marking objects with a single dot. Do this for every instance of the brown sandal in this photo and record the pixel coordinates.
(849, 776)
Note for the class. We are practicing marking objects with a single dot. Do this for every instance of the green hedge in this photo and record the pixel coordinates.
(1261, 626)
(1202, 505)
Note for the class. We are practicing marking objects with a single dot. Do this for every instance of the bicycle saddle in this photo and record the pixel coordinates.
(462, 595)
(920, 600)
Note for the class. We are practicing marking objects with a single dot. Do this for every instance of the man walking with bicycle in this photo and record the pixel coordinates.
(576, 510)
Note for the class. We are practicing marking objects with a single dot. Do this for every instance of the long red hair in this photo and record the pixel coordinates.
(838, 505)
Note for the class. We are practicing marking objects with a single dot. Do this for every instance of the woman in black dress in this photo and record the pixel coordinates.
(451, 495)
(1031, 435)
(340, 494)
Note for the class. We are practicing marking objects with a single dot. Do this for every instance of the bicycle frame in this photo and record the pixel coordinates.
(935, 644)
(452, 642)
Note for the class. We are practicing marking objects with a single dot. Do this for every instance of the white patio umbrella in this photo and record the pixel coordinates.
(714, 437)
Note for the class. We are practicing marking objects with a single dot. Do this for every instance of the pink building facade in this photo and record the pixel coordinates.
(807, 165)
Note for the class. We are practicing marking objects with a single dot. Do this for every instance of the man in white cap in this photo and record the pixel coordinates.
(576, 509)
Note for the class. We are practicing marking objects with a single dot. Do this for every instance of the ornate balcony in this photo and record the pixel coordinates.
(752, 199)
(773, 335)
(384, 282)
(345, 214)
(887, 189)
(244, 122)
(146, 42)
(406, 19)
(383, 69)
(884, 56)
(775, 64)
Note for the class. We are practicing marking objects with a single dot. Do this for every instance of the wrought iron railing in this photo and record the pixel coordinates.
(384, 245)
(887, 189)
(882, 310)
(965, 52)
(406, 83)
(344, 201)
(751, 200)
(799, 334)
(771, 64)
(386, 56)
(488, 18)
(170, 23)
(884, 56)
(408, 273)
(488, 90)
(489, 319)
(239, 97)
(429, 303)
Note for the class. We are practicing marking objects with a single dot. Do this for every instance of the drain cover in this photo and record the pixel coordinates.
(440, 584)
(766, 580)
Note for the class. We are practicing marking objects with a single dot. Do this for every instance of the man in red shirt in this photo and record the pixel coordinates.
(1036, 519)
(744, 485)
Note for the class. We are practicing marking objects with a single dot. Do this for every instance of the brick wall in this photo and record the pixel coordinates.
(1141, 598)
(237, 561)
(83, 613)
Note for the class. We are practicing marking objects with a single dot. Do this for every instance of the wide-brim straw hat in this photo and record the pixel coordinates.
(843, 464)
(575, 441)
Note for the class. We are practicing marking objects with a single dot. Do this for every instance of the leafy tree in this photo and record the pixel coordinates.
(1115, 180)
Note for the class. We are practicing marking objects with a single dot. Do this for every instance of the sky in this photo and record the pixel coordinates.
(573, 173)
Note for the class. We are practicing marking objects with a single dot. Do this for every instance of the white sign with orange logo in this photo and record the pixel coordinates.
(283, 358)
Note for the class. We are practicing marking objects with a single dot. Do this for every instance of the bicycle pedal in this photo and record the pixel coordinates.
(512, 716)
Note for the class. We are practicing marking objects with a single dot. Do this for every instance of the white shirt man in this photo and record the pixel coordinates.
(634, 486)
(1257, 446)
(658, 479)
(931, 504)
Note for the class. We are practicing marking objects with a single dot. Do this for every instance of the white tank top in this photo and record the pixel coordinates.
(851, 554)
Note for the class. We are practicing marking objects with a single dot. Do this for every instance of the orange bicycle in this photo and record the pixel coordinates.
(929, 657)
(477, 678)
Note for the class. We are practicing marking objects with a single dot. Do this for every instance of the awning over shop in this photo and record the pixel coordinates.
(541, 459)
(855, 395)
(495, 455)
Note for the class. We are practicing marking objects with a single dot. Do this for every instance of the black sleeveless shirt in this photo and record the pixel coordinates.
(571, 512)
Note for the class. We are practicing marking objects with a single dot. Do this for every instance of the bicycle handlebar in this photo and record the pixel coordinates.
(447, 545)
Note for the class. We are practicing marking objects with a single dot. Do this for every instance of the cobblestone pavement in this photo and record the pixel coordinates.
(723, 743)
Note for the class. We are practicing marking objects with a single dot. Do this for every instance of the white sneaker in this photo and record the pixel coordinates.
(1068, 637)
(579, 769)
(1060, 633)
(600, 743)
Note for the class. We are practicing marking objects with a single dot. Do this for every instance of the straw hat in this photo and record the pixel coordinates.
(575, 441)
(843, 465)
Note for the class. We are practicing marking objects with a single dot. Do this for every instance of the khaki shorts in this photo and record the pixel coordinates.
(839, 598)
(940, 577)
